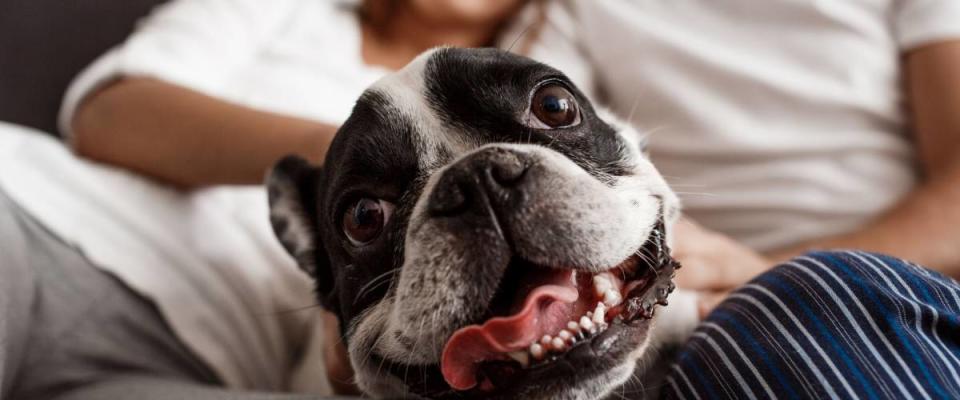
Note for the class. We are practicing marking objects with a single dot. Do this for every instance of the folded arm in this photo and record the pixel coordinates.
(151, 105)
(186, 138)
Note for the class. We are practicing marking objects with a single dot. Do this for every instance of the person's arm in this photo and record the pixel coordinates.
(186, 138)
(925, 226)
(151, 104)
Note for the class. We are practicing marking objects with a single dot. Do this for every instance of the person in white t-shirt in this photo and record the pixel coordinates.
(781, 119)
(790, 125)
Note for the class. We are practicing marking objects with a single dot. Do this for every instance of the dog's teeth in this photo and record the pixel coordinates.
(586, 324)
(573, 327)
(558, 344)
(601, 284)
(600, 307)
(590, 314)
(611, 298)
(536, 350)
(565, 335)
(521, 357)
(599, 314)
(546, 340)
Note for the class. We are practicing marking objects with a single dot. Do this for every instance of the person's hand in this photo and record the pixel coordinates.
(713, 263)
(707, 301)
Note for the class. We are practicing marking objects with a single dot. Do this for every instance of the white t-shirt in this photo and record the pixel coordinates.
(777, 121)
(208, 258)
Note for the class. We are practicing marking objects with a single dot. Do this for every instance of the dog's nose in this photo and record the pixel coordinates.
(492, 176)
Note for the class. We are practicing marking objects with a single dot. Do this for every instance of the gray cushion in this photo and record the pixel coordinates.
(45, 43)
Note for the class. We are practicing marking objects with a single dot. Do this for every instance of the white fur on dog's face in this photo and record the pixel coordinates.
(594, 242)
(591, 203)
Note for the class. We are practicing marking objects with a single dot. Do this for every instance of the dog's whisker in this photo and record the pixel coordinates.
(434, 319)
(633, 109)
(621, 394)
(533, 29)
(364, 359)
(654, 130)
(376, 344)
(413, 350)
(687, 185)
(641, 389)
(697, 194)
(374, 284)
(519, 36)
(291, 311)
(646, 258)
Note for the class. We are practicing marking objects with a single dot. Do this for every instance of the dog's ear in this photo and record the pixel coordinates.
(292, 187)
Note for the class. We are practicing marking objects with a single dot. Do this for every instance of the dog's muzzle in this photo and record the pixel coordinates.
(540, 313)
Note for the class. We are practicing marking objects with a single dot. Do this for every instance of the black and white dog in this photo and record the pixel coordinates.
(483, 232)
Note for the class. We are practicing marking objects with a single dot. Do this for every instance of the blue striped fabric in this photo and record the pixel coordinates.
(828, 325)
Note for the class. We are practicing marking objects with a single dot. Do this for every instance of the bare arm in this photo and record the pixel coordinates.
(925, 226)
(186, 138)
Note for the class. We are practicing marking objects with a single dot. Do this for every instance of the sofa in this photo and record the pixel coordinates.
(45, 43)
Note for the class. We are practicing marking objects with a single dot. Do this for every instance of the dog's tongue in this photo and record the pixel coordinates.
(545, 309)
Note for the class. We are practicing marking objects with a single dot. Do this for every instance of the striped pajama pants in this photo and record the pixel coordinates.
(838, 325)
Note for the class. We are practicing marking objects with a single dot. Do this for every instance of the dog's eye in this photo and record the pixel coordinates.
(553, 106)
(364, 220)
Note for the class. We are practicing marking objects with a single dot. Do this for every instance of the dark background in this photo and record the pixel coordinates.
(44, 44)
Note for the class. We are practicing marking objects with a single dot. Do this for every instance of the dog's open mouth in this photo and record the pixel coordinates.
(542, 315)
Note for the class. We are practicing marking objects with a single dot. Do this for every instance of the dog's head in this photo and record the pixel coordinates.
(481, 231)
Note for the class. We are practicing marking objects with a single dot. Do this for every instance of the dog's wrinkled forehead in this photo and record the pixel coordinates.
(452, 100)
(410, 124)
(449, 101)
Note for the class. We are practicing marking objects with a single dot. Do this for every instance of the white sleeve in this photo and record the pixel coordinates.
(919, 22)
(192, 43)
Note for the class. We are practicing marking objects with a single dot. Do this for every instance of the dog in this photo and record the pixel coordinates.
(482, 231)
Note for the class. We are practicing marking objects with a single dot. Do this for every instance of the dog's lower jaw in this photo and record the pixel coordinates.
(618, 378)
(385, 387)
(667, 329)
(599, 388)
(626, 343)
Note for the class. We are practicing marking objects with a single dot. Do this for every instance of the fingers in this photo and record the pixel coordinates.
(712, 261)
(687, 234)
(719, 272)
(696, 274)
